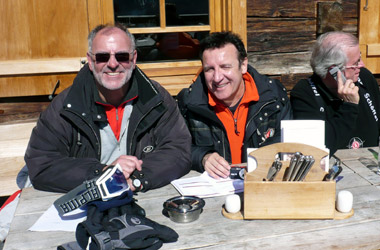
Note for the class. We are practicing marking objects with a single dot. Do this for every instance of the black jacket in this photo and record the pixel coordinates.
(208, 132)
(346, 124)
(65, 148)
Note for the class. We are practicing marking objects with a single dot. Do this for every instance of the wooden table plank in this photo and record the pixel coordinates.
(354, 154)
(334, 238)
(365, 171)
(350, 180)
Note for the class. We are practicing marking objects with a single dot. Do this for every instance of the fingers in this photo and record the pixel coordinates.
(216, 166)
(129, 181)
(129, 164)
(349, 92)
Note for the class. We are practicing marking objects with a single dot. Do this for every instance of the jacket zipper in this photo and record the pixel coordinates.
(117, 127)
(133, 135)
(262, 106)
(92, 129)
(236, 132)
(223, 145)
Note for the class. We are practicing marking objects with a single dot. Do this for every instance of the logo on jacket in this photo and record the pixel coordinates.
(269, 133)
(123, 219)
(148, 149)
(355, 143)
(135, 220)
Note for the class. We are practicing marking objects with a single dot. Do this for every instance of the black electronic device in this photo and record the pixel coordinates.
(237, 172)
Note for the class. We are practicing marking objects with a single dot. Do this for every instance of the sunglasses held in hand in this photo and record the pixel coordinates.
(103, 57)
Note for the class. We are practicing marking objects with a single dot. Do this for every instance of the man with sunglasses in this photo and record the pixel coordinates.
(350, 105)
(112, 114)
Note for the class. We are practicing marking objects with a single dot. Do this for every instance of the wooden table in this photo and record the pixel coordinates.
(213, 231)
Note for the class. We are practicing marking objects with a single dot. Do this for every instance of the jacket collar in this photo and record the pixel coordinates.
(199, 92)
(131, 94)
(321, 87)
(83, 94)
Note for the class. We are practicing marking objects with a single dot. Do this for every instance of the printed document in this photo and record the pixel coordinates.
(205, 186)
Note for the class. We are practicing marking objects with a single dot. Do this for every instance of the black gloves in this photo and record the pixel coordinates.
(123, 227)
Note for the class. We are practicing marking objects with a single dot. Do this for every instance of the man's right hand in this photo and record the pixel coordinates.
(216, 166)
(347, 91)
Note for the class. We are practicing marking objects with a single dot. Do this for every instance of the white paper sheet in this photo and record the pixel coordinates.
(52, 221)
(205, 186)
(311, 132)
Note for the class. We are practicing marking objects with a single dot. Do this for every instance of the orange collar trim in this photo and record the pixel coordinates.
(250, 94)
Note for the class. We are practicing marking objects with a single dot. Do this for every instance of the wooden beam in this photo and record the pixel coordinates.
(41, 66)
(169, 29)
(373, 49)
(162, 14)
(167, 65)
(238, 15)
(274, 35)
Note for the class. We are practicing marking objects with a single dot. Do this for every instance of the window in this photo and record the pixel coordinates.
(39, 67)
(176, 16)
(168, 32)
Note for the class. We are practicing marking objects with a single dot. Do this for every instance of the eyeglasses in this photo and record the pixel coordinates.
(103, 57)
(355, 65)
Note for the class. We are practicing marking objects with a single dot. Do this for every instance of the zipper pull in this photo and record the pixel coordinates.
(235, 125)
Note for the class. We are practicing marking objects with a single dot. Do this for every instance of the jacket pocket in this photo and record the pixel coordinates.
(200, 133)
(268, 125)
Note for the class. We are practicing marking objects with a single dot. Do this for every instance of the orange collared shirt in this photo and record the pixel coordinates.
(235, 123)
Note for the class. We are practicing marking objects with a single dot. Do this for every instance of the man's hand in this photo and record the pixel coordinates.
(129, 164)
(216, 166)
(347, 91)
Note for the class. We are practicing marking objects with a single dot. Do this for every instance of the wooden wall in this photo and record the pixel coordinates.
(43, 41)
(281, 33)
(40, 32)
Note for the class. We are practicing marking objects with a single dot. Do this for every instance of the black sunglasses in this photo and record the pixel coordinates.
(102, 57)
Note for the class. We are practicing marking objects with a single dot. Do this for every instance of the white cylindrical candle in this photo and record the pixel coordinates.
(344, 201)
(232, 204)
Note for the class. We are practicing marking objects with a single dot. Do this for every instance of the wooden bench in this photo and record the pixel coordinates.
(14, 139)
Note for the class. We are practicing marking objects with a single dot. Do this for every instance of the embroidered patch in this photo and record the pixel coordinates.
(135, 220)
(269, 133)
(148, 149)
(355, 143)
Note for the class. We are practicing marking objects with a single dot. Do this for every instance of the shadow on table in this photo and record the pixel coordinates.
(369, 163)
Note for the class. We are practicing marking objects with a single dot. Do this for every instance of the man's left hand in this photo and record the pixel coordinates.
(128, 164)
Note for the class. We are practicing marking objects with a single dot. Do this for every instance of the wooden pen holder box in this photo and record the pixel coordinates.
(308, 199)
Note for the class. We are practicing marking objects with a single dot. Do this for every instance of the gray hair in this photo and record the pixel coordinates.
(101, 27)
(330, 49)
